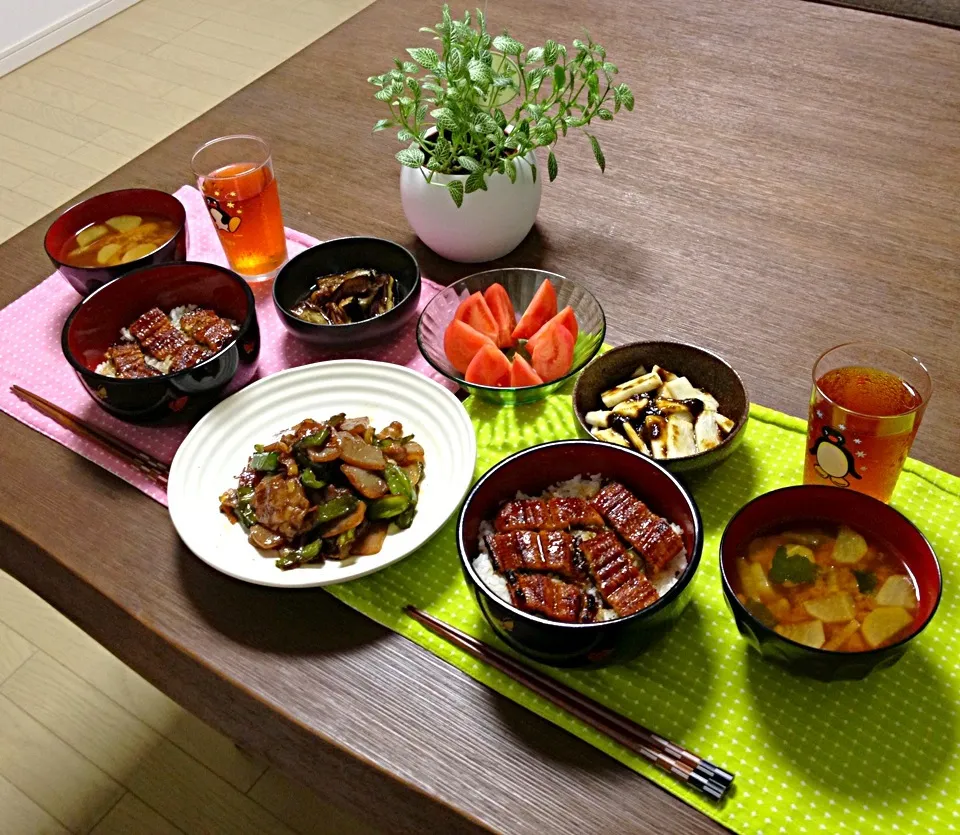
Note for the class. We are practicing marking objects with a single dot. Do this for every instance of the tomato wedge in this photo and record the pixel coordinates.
(473, 311)
(501, 307)
(461, 344)
(489, 367)
(522, 373)
(541, 309)
(553, 353)
(566, 318)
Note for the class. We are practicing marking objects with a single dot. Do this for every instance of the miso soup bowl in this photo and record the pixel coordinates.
(833, 505)
(533, 470)
(95, 323)
(96, 209)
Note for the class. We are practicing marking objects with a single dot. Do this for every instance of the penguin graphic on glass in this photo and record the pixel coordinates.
(221, 218)
(834, 460)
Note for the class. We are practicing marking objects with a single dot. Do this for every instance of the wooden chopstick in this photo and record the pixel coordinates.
(675, 760)
(146, 464)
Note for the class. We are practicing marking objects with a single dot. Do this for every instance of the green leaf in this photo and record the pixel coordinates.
(550, 53)
(445, 119)
(597, 153)
(552, 166)
(866, 581)
(507, 45)
(535, 53)
(455, 187)
(479, 72)
(409, 67)
(376, 79)
(475, 182)
(605, 114)
(626, 97)
(454, 63)
(796, 569)
(383, 95)
(425, 57)
(468, 164)
(559, 78)
(411, 157)
(580, 45)
(510, 169)
(481, 20)
(610, 69)
(382, 124)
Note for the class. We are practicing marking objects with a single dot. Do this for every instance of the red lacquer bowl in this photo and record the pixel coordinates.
(94, 325)
(131, 201)
(814, 503)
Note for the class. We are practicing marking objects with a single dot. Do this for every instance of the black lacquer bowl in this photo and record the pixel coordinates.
(533, 470)
(94, 325)
(299, 275)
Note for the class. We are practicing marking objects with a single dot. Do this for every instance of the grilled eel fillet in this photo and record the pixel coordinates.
(544, 595)
(618, 579)
(547, 515)
(651, 535)
(544, 551)
(129, 362)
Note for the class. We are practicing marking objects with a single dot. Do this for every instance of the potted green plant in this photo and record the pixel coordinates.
(472, 114)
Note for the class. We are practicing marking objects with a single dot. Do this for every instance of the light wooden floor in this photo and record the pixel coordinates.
(86, 745)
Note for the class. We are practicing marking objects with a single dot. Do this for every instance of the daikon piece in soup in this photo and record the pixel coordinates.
(118, 240)
(828, 587)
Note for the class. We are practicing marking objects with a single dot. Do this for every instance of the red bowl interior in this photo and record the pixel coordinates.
(97, 209)
(96, 322)
(834, 505)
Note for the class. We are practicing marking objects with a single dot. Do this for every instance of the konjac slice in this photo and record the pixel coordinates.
(565, 318)
(553, 354)
(475, 312)
(461, 343)
(522, 373)
(542, 308)
(501, 307)
(489, 367)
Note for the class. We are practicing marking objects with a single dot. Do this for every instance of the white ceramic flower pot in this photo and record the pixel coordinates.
(488, 225)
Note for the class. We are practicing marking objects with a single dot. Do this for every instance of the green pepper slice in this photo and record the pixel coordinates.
(405, 519)
(264, 462)
(307, 553)
(317, 439)
(398, 482)
(244, 509)
(334, 508)
(309, 479)
(388, 507)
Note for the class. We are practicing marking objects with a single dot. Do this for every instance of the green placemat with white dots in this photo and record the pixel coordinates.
(876, 756)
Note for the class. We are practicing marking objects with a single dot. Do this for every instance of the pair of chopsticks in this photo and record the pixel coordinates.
(686, 766)
(146, 464)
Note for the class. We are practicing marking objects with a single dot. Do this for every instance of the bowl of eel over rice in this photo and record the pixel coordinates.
(579, 552)
(164, 341)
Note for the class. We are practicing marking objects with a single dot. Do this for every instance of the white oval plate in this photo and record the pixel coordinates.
(217, 449)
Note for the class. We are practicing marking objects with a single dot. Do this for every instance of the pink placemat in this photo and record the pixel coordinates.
(30, 354)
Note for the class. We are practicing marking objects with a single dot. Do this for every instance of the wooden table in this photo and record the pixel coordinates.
(790, 180)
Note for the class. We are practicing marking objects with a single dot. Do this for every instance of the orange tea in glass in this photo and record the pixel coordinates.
(235, 175)
(865, 410)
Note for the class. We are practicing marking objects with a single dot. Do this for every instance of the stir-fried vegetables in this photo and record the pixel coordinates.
(327, 490)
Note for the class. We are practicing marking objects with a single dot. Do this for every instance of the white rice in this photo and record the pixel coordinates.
(585, 487)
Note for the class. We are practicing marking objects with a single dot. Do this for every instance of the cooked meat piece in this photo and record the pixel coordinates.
(547, 514)
(344, 523)
(128, 361)
(544, 595)
(187, 356)
(550, 551)
(391, 430)
(522, 515)
(653, 537)
(356, 426)
(262, 537)
(156, 334)
(281, 505)
(355, 451)
(618, 579)
(372, 540)
(367, 484)
(206, 328)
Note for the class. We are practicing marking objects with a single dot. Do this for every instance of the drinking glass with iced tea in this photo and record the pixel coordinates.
(867, 403)
(235, 176)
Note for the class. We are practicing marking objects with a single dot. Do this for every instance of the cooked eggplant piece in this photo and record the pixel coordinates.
(348, 297)
(638, 385)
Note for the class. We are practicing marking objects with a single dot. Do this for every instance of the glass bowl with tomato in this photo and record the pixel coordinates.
(511, 336)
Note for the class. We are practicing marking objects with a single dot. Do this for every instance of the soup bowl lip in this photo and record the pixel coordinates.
(693, 559)
(343, 328)
(180, 220)
(741, 420)
(81, 369)
(741, 611)
(486, 276)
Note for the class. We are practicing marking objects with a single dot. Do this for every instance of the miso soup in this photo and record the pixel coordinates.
(828, 587)
(118, 240)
